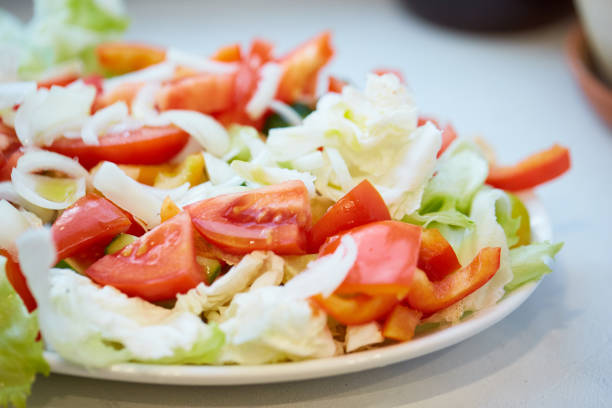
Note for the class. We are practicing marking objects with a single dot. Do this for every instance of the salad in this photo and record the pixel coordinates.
(166, 207)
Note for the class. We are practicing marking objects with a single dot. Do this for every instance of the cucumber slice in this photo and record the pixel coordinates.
(119, 242)
(212, 268)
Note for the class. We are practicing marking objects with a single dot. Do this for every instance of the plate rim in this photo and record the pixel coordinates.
(323, 367)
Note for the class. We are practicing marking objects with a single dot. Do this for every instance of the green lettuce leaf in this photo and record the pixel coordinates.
(529, 262)
(21, 355)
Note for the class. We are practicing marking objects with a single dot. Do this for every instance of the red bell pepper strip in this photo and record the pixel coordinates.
(436, 257)
(430, 297)
(401, 323)
(532, 171)
(18, 281)
(358, 309)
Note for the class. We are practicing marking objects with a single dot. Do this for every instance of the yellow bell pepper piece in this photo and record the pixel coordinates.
(191, 171)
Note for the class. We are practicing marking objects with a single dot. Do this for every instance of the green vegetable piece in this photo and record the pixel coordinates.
(276, 121)
(212, 268)
(21, 356)
(529, 263)
(119, 242)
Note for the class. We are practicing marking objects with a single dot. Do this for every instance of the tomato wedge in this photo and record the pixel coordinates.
(359, 309)
(145, 145)
(9, 151)
(430, 297)
(90, 220)
(228, 53)
(387, 254)
(125, 92)
(206, 93)
(301, 68)
(362, 205)
(401, 323)
(436, 257)
(532, 171)
(8, 164)
(275, 218)
(122, 57)
(18, 281)
(157, 266)
(335, 84)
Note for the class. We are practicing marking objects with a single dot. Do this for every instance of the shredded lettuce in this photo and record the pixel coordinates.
(99, 326)
(61, 31)
(529, 263)
(21, 357)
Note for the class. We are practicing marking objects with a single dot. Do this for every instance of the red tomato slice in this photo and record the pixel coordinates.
(383, 71)
(120, 58)
(261, 51)
(90, 220)
(335, 85)
(401, 323)
(533, 171)
(157, 266)
(146, 145)
(436, 257)
(386, 258)
(301, 68)
(61, 80)
(362, 205)
(18, 281)
(10, 162)
(359, 309)
(125, 92)
(228, 53)
(430, 297)
(275, 218)
(206, 93)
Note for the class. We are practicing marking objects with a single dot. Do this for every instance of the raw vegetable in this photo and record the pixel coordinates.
(119, 242)
(401, 323)
(436, 257)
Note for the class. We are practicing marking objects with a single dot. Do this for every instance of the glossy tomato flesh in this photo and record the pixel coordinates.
(362, 205)
(387, 254)
(90, 220)
(18, 281)
(275, 218)
(155, 267)
(145, 145)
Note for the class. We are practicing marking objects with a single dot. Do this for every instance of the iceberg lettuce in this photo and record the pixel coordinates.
(529, 262)
(21, 357)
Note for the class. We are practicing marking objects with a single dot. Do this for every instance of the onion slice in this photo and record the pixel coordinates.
(199, 63)
(211, 135)
(287, 112)
(13, 93)
(266, 90)
(153, 73)
(101, 120)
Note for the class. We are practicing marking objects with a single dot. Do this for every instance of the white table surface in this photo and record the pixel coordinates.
(556, 349)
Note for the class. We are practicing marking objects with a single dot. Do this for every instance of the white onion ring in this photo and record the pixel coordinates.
(101, 120)
(211, 135)
(266, 90)
(287, 112)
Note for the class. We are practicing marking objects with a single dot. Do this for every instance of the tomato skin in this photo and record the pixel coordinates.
(335, 84)
(18, 281)
(123, 57)
(362, 205)
(145, 145)
(10, 162)
(275, 218)
(125, 92)
(228, 53)
(9, 151)
(90, 220)
(61, 80)
(430, 297)
(532, 171)
(359, 309)
(401, 323)
(205, 93)
(155, 267)
(386, 258)
(301, 68)
(436, 257)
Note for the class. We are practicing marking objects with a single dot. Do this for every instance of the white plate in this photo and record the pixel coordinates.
(271, 373)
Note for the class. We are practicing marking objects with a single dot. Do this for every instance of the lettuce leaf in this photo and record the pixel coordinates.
(529, 262)
(21, 355)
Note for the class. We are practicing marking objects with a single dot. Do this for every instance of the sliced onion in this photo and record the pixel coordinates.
(343, 176)
(39, 160)
(218, 170)
(286, 112)
(211, 135)
(143, 105)
(127, 193)
(309, 162)
(8, 193)
(27, 184)
(174, 193)
(154, 73)
(101, 120)
(324, 275)
(208, 190)
(363, 335)
(13, 93)
(199, 63)
(266, 90)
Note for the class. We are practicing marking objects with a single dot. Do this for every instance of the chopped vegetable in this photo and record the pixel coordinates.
(436, 257)
(401, 323)
(119, 242)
